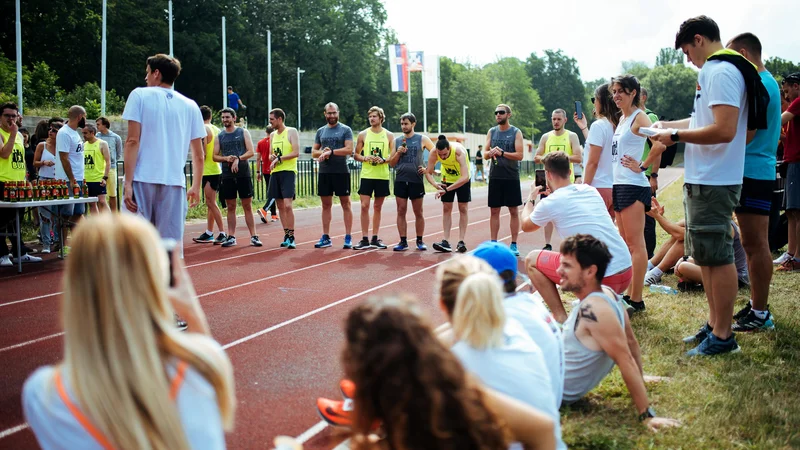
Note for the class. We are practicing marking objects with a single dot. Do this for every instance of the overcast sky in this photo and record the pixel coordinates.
(599, 34)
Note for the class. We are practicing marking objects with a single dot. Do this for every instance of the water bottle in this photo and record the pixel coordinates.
(661, 289)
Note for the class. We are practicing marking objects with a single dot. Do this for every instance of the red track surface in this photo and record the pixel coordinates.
(278, 312)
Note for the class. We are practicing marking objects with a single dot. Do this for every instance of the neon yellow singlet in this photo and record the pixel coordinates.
(94, 164)
(451, 169)
(375, 144)
(13, 167)
(209, 166)
(560, 144)
(280, 145)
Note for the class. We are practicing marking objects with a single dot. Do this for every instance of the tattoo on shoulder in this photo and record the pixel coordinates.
(587, 313)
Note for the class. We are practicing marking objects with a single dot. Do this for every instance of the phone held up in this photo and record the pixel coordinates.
(170, 245)
(578, 110)
(540, 179)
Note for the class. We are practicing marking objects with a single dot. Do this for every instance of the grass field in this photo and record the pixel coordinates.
(745, 401)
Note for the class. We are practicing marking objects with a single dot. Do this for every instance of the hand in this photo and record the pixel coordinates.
(664, 137)
(442, 186)
(631, 163)
(193, 195)
(49, 163)
(440, 193)
(657, 206)
(580, 122)
(402, 149)
(421, 170)
(658, 124)
(231, 158)
(273, 164)
(537, 159)
(655, 424)
(258, 177)
(535, 191)
(102, 182)
(654, 184)
(130, 203)
(182, 295)
(13, 128)
(235, 166)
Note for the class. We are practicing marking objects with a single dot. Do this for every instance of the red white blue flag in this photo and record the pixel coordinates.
(398, 67)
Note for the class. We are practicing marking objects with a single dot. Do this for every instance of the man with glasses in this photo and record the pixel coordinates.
(115, 150)
(504, 151)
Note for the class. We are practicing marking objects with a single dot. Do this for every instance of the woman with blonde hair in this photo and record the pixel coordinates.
(129, 378)
(495, 348)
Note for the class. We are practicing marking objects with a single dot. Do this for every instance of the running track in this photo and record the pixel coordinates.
(279, 313)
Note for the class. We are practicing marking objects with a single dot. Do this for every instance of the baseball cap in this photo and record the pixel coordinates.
(792, 78)
(498, 256)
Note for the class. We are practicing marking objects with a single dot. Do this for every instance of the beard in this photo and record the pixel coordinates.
(571, 287)
(333, 120)
(502, 121)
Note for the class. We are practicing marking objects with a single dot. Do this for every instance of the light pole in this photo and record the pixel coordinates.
(299, 72)
(464, 120)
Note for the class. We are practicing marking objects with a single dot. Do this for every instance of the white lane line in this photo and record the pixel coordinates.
(30, 299)
(12, 430)
(311, 432)
(23, 344)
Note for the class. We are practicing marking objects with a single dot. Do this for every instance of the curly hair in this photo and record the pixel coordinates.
(412, 384)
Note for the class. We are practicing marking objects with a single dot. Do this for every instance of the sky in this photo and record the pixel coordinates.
(599, 34)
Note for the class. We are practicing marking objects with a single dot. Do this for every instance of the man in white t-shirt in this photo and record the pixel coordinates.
(69, 163)
(585, 213)
(715, 137)
(162, 126)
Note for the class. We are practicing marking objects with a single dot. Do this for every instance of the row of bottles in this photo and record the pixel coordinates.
(24, 191)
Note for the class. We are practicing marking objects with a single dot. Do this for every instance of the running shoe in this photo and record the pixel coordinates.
(377, 243)
(651, 278)
(230, 242)
(336, 412)
(401, 247)
(348, 242)
(790, 266)
(548, 247)
(262, 213)
(363, 244)
(513, 248)
(442, 246)
(421, 246)
(274, 217)
(255, 242)
(291, 243)
(45, 249)
(5, 261)
(26, 258)
(744, 311)
(782, 259)
(348, 388)
(700, 336)
(751, 322)
(221, 237)
(461, 247)
(204, 238)
(285, 242)
(713, 345)
(324, 242)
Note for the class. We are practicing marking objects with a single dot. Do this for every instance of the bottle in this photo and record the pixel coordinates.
(43, 190)
(76, 189)
(12, 192)
(35, 187)
(55, 192)
(662, 289)
(85, 190)
(29, 192)
(6, 193)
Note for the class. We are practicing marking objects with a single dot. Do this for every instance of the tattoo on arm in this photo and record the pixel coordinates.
(586, 313)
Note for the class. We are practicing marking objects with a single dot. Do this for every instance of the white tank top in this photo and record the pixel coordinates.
(627, 143)
(48, 172)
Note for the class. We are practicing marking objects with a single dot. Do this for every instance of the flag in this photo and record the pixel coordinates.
(430, 77)
(398, 67)
(415, 61)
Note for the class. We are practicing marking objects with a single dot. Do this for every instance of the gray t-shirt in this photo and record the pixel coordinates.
(115, 147)
(333, 138)
(406, 170)
(505, 169)
(232, 144)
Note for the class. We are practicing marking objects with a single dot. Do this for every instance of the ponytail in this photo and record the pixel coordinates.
(479, 316)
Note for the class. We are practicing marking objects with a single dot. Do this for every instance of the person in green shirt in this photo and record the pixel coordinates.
(652, 175)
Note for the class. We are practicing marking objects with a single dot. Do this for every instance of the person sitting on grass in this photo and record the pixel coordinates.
(129, 378)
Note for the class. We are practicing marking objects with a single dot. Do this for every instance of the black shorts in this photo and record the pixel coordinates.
(337, 184)
(95, 189)
(464, 194)
(407, 190)
(213, 180)
(479, 164)
(624, 195)
(243, 186)
(370, 185)
(504, 193)
(756, 197)
(281, 184)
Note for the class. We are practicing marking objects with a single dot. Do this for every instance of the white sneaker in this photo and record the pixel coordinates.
(26, 258)
(45, 249)
(651, 278)
(782, 259)
(5, 261)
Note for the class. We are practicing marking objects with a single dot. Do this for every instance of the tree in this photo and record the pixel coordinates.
(779, 67)
(514, 88)
(667, 56)
(671, 91)
(557, 79)
(639, 69)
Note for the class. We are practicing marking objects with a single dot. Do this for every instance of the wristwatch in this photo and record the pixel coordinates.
(654, 175)
(647, 414)
(675, 137)
(105, 178)
(642, 167)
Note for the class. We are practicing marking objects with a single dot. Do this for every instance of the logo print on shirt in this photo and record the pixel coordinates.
(88, 161)
(17, 160)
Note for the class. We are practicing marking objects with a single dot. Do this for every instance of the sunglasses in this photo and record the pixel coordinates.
(55, 129)
(500, 113)
(591, 100)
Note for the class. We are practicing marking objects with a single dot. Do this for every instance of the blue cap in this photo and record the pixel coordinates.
(498, 256)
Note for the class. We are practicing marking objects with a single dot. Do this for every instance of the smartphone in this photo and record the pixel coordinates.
(170, 245)
(579, 110)
(540, 179)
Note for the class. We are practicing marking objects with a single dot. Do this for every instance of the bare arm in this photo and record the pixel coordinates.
(590, 169)
(37, 154)
(529, 426)
(429, 172)
(537, 158)
(786, 117)
(294, 140)
(461, 157)
(518, 149)
(131, 151)
(64, 157)
(248, 146)
(8, 147)
(682, 124)
(217, 156)
(722, 131)
(525, 221)
(487, 149)
(107, 156)
(396, 154)
(358, 156)
(577, 150)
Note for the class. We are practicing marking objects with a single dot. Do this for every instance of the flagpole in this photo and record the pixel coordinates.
(19, 59)
(269, 70)
(424, 115)
(409, 85)
(103, 64)
(224, 68)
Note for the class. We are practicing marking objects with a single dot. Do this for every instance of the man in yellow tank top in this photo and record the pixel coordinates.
(455, 182)
(558, 140)
(96, 164)
(373, 148)
(284, 149)
(212, 173)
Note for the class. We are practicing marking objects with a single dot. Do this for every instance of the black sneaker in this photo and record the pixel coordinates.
(700, 336)
(204, 238)
(461, 247)
(743, 312)
(255, 242)
(230, 242)
(751, 322)
(181, 324)
(377, 243)
(548, 248)
(631, 306)
(363, 244)
(220, 239)
(443, 246)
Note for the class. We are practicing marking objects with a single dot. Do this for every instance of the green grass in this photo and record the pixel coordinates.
(744, 401)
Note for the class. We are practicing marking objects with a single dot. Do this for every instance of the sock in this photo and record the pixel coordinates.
(403, 239)
(325, 236)
(656, 272)
(374, 237)
(513, 243)
(494, 240)
(210, 232)
(419, 238)
(290, 233)
(650, 266)
(710, 328)
(760, 314)
(347, 237)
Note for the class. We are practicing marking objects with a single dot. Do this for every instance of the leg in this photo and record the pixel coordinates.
(514, 211)
(327, 205)
(753, 234)
(93, 207)
(723, 279)
(214, 215)
(112, 203)
(649, 235)
(494, 223)
(281, 202)
(288, 212)
(689, 271)
(419, 223)
(545, 286)
(548, 233)
(376, 215)
(102, 205)
(447, 220)
(365, 200)
(247, 206)
(402, 208)
(676, 251)
(794, 232)
(633, 219)
(658, 256)
(463, 220)
(231, 207)
(347, 214)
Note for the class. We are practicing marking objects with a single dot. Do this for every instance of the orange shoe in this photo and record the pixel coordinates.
(335, 412)
(262, 213)
(274, 217)
(348, 389)
(790, 266)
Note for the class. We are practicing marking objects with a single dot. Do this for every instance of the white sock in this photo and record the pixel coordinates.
(656, 272)
(210, 232)
(650, 266)
(760, 314)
